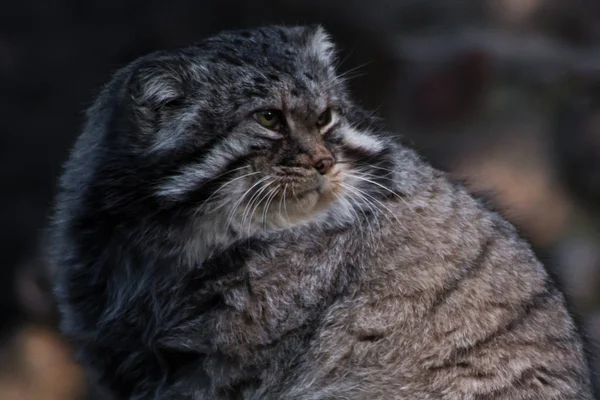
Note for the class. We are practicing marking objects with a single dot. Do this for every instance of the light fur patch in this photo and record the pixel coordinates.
(321, 46)
(362, 140)
(191, 176)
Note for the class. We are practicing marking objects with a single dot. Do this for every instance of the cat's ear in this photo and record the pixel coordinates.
(159, 82)
(319, 44)
(157, 92)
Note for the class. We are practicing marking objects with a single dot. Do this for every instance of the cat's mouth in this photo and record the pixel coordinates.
(287, 197)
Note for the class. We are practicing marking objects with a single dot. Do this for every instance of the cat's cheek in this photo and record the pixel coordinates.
(333, 184)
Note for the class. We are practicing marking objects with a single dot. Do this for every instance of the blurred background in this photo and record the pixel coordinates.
(504, 94)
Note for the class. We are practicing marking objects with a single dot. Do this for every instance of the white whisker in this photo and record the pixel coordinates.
(224, 185)
(350, 206)
(376, 184)
(367, 219)
(177, 187)
(381, 204)
(271, 195)
(281, 201)
(255, 204)
(239, 201)
(287, 215)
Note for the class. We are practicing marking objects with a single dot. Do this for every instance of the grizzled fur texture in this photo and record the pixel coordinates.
(202, 251)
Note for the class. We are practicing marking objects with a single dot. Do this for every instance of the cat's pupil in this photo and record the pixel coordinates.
(324, 118)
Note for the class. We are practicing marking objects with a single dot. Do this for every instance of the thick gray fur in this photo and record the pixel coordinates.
(199, 255)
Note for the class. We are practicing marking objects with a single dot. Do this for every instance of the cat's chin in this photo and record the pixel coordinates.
(299, 203)
(300, 209)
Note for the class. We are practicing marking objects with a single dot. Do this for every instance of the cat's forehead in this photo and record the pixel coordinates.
(304, 53)
(284, 65)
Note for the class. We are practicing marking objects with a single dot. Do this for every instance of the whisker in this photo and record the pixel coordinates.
(268, 202)
(204, 182)
(259, 198)
(391, 171)
(225, 184)
(350, 206)
(281, 200)
(287, 215)
(298, 201)
(351, 70)
(372, 207)
(390, 212)
(377, 184)
(367, 219)
(253, 199)
(339, 64)
(227, 172)
(239, 201)
(369, 175)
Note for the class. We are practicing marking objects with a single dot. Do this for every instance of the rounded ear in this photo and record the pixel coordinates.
(157, 87)
(159, 81)
(319, 44)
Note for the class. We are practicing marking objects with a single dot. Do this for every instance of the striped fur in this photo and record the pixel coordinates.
(199, 255)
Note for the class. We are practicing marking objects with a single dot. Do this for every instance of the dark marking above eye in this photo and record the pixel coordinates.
(257, 91)
(249, 93)
(259, 80)
(308, 76)
(294, 92)
(273, 77)
(374, 337)
(288, 52)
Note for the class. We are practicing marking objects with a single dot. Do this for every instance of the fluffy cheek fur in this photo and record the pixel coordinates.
(263, 195)
(280, 197)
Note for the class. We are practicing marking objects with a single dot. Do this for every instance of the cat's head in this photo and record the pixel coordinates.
(253, 126)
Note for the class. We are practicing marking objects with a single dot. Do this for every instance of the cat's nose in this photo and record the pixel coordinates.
(324, 164)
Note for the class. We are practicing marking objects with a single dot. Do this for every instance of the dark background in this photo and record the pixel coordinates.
(501, 93)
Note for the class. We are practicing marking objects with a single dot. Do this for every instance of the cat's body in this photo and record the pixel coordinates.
(373, 278)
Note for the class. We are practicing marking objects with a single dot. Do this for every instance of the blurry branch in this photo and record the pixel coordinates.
(533, 57)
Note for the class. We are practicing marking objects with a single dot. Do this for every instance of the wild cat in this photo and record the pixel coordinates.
(231, 225)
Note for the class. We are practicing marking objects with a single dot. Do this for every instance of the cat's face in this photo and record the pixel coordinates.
(253, 126)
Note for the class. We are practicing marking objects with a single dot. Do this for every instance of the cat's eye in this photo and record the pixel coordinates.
(270, 119)
(325, 118)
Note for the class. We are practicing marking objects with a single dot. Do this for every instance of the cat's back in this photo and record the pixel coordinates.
(451, 303)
